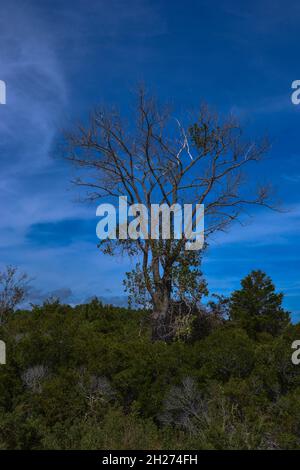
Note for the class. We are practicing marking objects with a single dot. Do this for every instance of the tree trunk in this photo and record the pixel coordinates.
(159, 317)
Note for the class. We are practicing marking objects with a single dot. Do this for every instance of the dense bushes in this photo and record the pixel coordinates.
(88, 377)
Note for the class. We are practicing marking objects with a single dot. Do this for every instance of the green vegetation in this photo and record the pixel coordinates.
(257, 307)
(89, 377)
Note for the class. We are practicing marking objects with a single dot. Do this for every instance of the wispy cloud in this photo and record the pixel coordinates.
(36, 90)
(265, 228)
(41, 49)
(36, 97)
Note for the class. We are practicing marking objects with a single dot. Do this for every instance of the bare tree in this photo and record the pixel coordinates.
(155, 158)
(33, 377)
(208, 413)
(13, 290)
(97, 390)
(185, 407)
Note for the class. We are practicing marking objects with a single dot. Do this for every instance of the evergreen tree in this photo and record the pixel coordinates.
(256, 307)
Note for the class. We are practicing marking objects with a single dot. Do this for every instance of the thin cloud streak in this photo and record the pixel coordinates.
(266, 228)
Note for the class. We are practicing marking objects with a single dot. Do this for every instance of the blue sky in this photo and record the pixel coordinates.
(59, 59)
